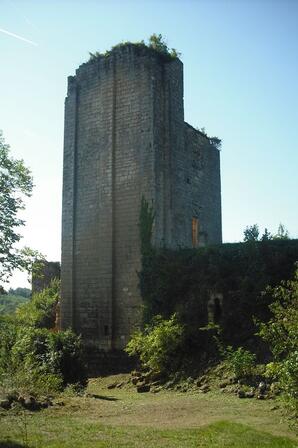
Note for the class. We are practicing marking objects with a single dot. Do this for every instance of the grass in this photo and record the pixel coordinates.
(122, 418)
(78, 433)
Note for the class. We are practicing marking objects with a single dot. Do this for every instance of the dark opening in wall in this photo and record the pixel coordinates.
(215, 308)
(106, 330)
(217, 311)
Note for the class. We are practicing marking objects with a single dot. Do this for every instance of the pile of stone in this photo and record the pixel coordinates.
(29, 402)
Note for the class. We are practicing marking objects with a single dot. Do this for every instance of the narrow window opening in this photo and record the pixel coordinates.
(217, 311)
(195, 232)
(106, 330)
(215, 308)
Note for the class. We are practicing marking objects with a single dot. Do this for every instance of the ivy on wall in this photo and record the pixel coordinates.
(184, 280)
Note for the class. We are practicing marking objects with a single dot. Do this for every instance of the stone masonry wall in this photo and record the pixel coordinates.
(46, 272)
(125, 138)
(202, 192)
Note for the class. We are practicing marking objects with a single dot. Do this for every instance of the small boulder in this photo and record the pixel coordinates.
(250, 394)
(143, 388)
(205, 388)
(5, 403)
(30, 403)
(241, 394)
(232, 380)
(156, 390)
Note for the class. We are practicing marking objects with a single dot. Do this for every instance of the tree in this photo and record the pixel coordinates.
(16, 183)
(282, 233)
(23, 292)
(266, 235)
(251, 233)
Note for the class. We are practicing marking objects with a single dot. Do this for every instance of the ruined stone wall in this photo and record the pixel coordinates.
(124, 139)
(202, 191)
(45, 273)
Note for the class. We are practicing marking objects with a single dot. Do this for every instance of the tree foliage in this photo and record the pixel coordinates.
(23, 292)
(282, 233)
(282, 330)
(281, 333)
(40, 311)
(252, 233)
(16, 184)
(9, 303)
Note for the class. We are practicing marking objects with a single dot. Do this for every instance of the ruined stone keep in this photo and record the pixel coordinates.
(125, 138)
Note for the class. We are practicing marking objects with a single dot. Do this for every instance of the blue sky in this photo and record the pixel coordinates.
(240, 83)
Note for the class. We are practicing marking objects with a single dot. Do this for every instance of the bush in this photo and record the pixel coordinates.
(40, 311)
(158, 345)
(38, 360)
(34, 358)
(68, 351)
(281, 333)
(242, 362)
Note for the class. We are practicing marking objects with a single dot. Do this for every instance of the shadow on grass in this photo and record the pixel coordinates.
(102, 397)
(11, 444)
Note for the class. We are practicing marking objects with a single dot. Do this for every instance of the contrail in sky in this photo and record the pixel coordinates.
(18, 37)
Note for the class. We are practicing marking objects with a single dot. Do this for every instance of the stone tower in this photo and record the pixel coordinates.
(125, 138)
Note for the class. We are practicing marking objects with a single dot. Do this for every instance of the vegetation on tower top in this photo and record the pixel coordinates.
(156, 43)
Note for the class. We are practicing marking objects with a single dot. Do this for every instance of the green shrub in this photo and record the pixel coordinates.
(32, 381)
(158, 345)
(40, 311)
(281, 333)
(37, 360)
(242, 362)
(68, 351)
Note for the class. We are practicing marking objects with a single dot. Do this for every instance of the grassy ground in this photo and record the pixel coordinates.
(122, 418)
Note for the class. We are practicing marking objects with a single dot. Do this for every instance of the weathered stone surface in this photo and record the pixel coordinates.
(47, 271)
(125, 138)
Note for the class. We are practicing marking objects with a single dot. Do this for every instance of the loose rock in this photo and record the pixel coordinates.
(204, 389)
(5, 403)
(143, 388)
